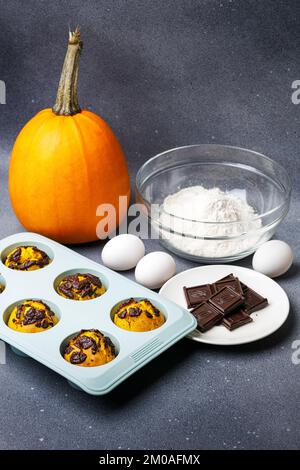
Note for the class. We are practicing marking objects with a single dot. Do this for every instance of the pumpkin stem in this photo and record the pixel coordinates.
(66, 103)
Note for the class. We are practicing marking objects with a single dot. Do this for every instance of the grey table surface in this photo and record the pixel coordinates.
(163, 74)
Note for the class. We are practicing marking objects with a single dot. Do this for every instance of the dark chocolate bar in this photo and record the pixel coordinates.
(197, 294)
(207, 316)
(226, 300)
(253, 301)
(236, 319)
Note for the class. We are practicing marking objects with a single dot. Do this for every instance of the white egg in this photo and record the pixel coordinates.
(123, 252)
(273, 258)
(155, 269)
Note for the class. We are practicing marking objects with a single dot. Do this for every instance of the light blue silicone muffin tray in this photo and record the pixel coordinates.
(134, 349)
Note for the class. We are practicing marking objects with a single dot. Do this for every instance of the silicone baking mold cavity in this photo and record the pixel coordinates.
(134, 350)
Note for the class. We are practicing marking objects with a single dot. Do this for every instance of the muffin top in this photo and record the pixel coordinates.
(32, 316)
(27, 258)
(138, 315)
(80, 287)
(89, 348)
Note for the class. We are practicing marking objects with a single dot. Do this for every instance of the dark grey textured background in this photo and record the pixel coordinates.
(163, 74)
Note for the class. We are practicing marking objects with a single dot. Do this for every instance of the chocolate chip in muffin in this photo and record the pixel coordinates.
(85, 342)
(122, 314)
(19, 311)
(32, 316)
(66, 291)
(148, 314)
(156, 311)
(44, 324)
(68, 349)
(135, 312)
(87, 291)
(94, 279)
(15, 256)
(77, 357)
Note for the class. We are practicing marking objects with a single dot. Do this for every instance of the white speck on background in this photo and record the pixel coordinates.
(41, 439)
(42, 411)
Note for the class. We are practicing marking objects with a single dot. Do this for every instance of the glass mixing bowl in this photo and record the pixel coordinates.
(251, 176)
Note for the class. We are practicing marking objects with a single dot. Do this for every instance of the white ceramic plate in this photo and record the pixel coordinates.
(265, 321)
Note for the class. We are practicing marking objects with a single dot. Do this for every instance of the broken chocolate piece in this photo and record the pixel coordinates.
(156, 311)
(253, 301)
(197, 294)
(44, 324)
(134, 311)
(226, 300)
(84, 342)
(122, 314)
(77, 357)
(207, 316)
(148, 314)
(16, 255)
(236, 319)
(94, 279)
(68, 349)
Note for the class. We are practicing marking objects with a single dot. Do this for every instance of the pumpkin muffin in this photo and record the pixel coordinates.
(27, 258)
(89, 348)
(32, 316)
(80, 287)
(138, 315)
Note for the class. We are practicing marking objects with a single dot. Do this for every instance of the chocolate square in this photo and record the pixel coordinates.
(234, 283)
(226, 300)
(236, 319)
(197, 294)
(207, 316)
(253, 301)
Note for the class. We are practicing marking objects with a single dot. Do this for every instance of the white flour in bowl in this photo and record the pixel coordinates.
(198, 204)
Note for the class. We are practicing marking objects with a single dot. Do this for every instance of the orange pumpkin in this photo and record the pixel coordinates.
(65, 163)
